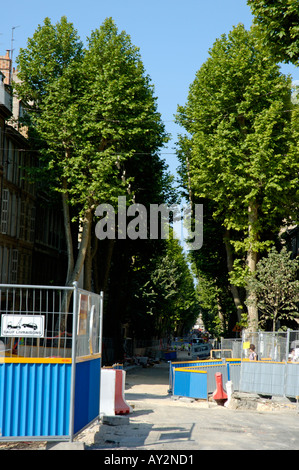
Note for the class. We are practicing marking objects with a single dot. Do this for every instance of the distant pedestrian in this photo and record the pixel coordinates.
(252, 353)
(293, 356)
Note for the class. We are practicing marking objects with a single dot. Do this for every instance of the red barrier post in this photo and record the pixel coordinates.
(219, 395)
(121, 407)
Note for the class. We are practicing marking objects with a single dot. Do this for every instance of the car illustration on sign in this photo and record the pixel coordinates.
(30, 325)
(10, 326)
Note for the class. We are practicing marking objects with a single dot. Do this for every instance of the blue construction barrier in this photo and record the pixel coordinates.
(196, 379)
(169, 355)
(190, 383)
(188, 364)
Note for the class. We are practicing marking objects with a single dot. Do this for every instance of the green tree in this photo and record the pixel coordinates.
(215, 294)
(49, 52)
(95, 115)
(239, 124)
(276, 287)
(168, 293)
(279, 23)
(132, 260)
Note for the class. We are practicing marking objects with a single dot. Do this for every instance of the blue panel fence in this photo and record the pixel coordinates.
(196, 379)
(50, 361)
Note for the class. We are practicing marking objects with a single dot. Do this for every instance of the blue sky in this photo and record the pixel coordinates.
(174, 37)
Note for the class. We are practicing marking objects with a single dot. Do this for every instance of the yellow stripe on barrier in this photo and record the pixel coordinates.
(191, 370)
(36, 360)
(46, 360)
(88, 358)
(263, 361)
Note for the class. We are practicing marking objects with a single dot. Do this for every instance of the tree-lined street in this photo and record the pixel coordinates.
(88, 198)
(93, 123)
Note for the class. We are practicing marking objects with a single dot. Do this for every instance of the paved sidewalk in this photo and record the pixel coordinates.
(158, 422)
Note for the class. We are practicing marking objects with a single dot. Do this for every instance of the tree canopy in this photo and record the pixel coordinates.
(95, 110)
(93, 120)
(240, 148)
(49, 52)
(276, 287)
(279, 23)
(169, 293)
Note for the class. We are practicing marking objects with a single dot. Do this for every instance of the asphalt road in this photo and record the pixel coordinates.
(160, 423)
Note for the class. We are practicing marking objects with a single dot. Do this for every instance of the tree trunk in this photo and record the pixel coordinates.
(75, 273)
(230, 262)
(61, 323)
(88, 268)
(221, 316)
(251, 262)
(275, 316)
(85, 240)
(68, 233)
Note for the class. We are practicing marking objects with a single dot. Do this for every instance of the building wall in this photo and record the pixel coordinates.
(5, 66)
(32, 248)
(17, 204)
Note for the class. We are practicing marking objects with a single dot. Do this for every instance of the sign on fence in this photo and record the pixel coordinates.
(29, 326)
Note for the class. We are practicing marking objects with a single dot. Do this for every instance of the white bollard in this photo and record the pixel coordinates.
(229, 390)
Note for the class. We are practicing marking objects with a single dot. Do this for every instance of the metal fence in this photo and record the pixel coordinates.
(232, 344)
(275, 346)
(227, 348)
(276, 372)
(38, 321)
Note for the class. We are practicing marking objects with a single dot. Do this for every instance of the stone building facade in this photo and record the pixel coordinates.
(32, 245)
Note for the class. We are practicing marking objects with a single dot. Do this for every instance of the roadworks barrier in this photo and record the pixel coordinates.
(264, 377)
(112, 399)
(50, 361)
(220, 396)
(196, 379)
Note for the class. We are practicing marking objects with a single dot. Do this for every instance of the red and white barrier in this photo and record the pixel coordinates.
(112, 397)
(121, 406)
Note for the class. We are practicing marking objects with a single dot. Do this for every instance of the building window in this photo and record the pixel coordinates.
(4, 265)
(10, 162)
(14, 266)
(22, 221)
(14, 215)
(4, 211)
